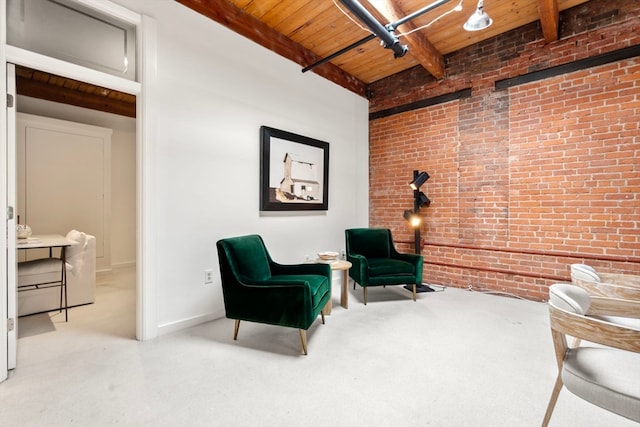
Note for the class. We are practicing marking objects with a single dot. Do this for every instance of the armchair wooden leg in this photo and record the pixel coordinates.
(364, 290)
(235, 329)
(414, 291)
(322, 316)
(303, 340)
(552, 402)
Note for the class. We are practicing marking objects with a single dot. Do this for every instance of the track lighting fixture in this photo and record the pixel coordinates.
(387, 36)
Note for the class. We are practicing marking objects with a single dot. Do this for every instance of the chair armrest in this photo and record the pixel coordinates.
(281, 302)
(359, 270)
(266, 284)
(594, 330)
(416, 260)
(266, 289)
(410, 258)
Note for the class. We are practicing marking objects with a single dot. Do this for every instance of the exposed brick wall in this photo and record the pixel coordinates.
(524, 181)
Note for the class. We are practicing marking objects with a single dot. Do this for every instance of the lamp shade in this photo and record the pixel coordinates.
(423, 200)
(419, 180)
(413, 219)
(479, 20)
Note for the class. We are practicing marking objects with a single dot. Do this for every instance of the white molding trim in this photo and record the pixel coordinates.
(4, 238)
(121, 265)
(146, 133)
(38, 61)
(113, 10)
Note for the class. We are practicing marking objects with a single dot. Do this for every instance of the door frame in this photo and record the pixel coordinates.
(4, 237)
(10, 181)
(145, 91)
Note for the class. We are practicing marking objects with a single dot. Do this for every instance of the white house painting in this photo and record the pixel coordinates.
(298, 176)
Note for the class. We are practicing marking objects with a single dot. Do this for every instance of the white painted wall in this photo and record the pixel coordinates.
(216, 89)
(123, 172)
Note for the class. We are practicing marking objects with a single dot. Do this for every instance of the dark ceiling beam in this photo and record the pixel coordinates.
(420, 48)
(64, 95)
(549, 19)
(246, 25)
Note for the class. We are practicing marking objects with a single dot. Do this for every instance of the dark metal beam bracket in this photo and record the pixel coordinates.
(385, 33)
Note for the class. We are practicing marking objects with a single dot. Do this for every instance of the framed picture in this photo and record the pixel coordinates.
(294, 171)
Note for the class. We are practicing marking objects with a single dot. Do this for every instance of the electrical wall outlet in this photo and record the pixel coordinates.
(208, 276)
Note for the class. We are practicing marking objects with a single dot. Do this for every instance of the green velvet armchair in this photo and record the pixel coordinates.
(257, 289)
(376, 262)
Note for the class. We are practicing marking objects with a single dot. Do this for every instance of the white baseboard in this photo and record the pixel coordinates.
(124, 264)
(168, 328)
(116, 266)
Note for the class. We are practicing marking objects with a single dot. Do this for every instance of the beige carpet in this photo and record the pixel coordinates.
(454, 358)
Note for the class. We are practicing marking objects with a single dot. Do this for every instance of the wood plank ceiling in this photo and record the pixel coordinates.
(308, 31)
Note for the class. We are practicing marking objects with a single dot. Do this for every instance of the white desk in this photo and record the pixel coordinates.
(44, 241)
(49, 241)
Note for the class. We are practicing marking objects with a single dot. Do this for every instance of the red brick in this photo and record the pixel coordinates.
(521, 175)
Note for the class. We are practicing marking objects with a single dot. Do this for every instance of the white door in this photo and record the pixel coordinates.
(64, 180)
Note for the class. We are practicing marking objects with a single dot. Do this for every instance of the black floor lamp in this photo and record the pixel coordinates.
(419, 200)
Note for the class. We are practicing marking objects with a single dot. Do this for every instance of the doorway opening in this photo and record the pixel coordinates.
(145, 30)
(55, 97)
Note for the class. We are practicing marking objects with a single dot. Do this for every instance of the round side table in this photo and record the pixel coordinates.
(344, 266)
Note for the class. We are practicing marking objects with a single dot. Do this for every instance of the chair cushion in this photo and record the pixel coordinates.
(42, 270)
(370, 242)
(250, 257)
(608, 378)
(389, 267)
(627, 322)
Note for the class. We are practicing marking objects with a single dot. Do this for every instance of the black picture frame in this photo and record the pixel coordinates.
(294, 172)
